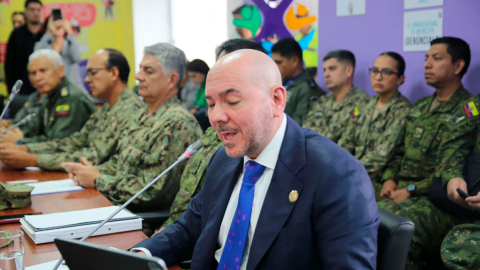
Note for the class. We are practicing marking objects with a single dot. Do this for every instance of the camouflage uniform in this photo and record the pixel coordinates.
(96, 141)
(63, 112)
(148, 146)
(372, 138)
(460, 248)
(330, 119)
(32, 105)
(429, 142)
(301, 93)
(194, 175)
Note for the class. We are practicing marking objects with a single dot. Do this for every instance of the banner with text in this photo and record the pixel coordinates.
(420, 28)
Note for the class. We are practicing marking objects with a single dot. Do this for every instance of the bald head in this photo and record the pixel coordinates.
(246, 101)
(255, 66)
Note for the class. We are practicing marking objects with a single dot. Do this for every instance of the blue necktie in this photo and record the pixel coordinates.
(237, 235)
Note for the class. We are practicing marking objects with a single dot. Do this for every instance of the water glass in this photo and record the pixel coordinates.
(11, 250)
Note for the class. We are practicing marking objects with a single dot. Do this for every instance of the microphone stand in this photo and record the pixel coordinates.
(26, 119)
(15, 90)
(191, 150)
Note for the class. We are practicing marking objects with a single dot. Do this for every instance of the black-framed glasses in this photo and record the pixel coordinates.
(92, 71)
(384, 72)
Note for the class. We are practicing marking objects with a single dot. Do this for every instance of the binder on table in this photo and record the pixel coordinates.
(77, 224)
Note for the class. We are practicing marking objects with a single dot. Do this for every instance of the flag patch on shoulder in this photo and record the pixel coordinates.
(355, 112)
(470, 109)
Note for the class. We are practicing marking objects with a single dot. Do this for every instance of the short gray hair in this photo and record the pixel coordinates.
(170, 59)
(51, 55)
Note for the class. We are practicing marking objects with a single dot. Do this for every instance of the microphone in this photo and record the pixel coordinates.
(26, 119)
(191, 150)
(15, 89)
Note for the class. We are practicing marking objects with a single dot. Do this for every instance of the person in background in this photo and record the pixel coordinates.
(66, 108)
(18, 19)
(372, 134)
(187, 92)
(330, 114)
(302, 90)
(20, 46)
(431, 147)
(197, 71)
(59, 37)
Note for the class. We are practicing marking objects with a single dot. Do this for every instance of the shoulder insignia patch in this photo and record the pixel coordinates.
(355, 112)
(470, 109)
(62, 110)
(457, 119)
(64, 92)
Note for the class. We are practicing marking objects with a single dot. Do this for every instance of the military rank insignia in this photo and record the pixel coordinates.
(62, 110)
(64, 92)
(355, 112)
(470, 109)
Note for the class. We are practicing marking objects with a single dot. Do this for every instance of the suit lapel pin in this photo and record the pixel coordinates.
(293, 196)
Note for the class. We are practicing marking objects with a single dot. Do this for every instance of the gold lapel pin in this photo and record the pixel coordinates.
(293, 196)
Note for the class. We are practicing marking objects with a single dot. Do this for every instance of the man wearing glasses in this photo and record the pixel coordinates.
(330, 114)
(20, 46)
(107, 76)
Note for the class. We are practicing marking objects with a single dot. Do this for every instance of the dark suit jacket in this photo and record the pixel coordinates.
(332, 225)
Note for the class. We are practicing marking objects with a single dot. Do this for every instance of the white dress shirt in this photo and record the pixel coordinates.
(268, 158)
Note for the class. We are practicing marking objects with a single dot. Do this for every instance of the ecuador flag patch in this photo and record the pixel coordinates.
(355, 112)
(62, 110)
(470, 109)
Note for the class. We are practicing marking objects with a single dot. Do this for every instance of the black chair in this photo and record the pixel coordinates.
(394, 236)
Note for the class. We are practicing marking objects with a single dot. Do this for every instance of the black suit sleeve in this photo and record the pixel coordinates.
(11, 68)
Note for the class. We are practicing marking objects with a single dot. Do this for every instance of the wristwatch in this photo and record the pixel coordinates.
(411, 188)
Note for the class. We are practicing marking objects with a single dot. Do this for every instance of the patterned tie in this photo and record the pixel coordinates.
(237, 235)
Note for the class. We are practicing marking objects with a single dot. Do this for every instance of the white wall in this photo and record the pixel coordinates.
(198, 27)
(151, 24)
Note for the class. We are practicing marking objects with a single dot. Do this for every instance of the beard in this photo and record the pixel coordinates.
(255, 138)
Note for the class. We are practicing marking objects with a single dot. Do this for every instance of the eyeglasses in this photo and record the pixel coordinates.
(383, 72)
(93, 71)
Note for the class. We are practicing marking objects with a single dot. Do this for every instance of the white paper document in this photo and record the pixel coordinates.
(54, 187)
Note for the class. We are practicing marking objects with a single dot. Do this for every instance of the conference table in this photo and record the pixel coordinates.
(61, 202)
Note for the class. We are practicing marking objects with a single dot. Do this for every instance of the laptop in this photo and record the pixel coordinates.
(81, 255)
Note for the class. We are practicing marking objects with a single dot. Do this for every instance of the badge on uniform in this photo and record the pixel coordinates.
(288, 95)
(26, 104)
(64, 92)
(62, 110)
(470, 109)
(356, 112)
(418, 133)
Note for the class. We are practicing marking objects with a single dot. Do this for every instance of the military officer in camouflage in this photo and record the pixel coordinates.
(152, 141)
(460, 249)
(331, 113)
(66, 108)
(374, 129)
(302, 90)
(428, 142)
(107, 76)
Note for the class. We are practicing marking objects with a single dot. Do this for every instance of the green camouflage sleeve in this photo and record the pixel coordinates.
(385, 147)
(122, 185)
(109, 167)
(53, 161)
(460, 247)
(393, 167)
(347, 139)
(68, 144)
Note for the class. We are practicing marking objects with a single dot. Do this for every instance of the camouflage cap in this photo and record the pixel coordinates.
(14, 196)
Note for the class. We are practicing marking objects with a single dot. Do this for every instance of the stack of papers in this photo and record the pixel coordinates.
(77, 224)
(54, 187)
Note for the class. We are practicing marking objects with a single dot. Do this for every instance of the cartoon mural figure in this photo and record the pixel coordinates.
(307, 37)
(108, 8)
(281, 19)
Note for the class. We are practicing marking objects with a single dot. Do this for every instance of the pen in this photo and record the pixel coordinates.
(23, 182)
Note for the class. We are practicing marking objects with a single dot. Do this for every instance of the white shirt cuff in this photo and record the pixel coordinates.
(144, 250)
